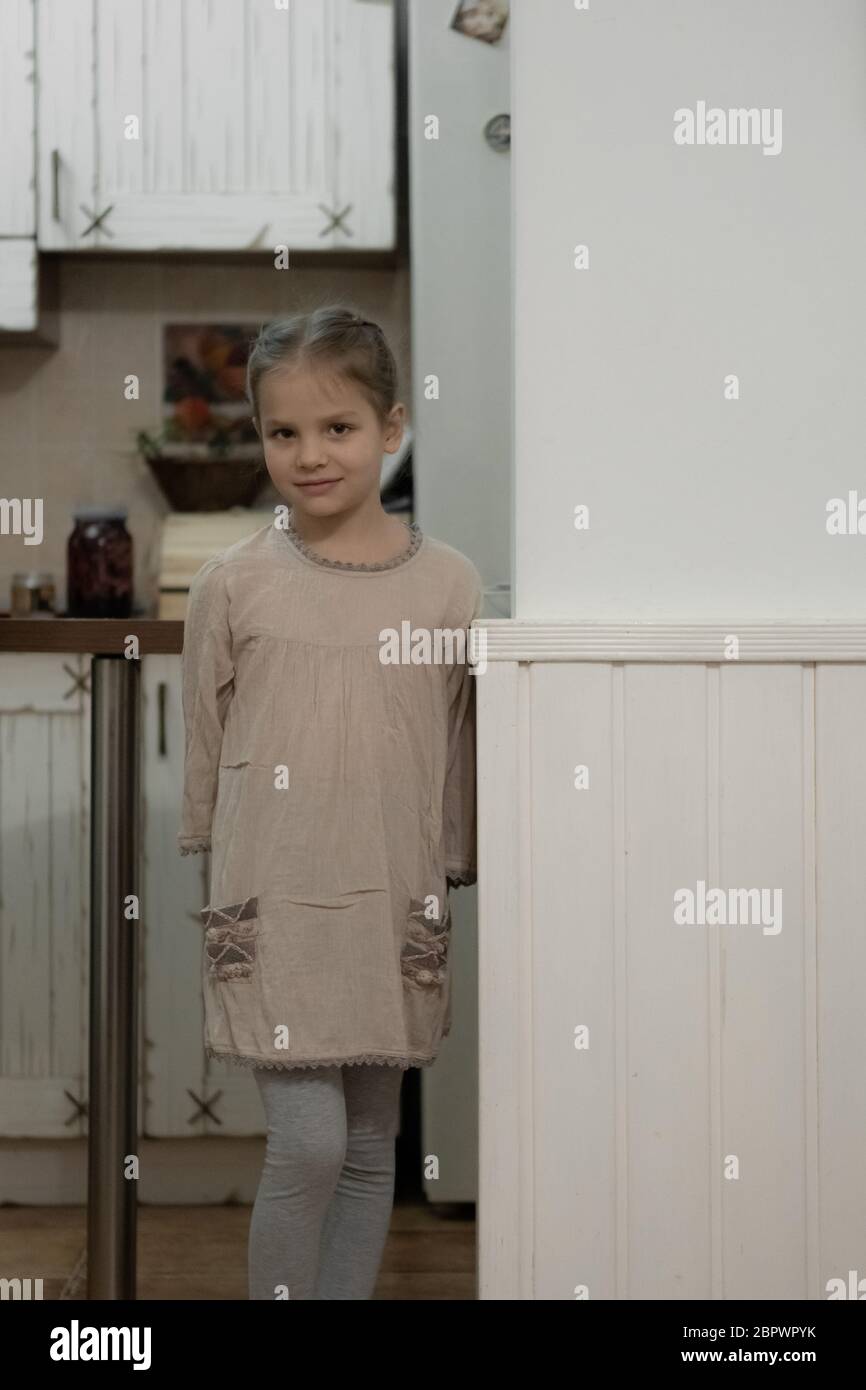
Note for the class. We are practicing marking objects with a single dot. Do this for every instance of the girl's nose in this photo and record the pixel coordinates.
(311, 456)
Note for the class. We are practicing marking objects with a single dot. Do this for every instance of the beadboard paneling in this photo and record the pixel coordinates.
(840, 906)
(608, 1169)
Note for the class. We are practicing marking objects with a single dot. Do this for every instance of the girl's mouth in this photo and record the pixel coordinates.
(316, 487)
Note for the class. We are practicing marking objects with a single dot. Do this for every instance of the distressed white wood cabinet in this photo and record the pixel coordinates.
(185, 1092)
(255, 125)
(45, 915)
(44, 893)
(18, 256)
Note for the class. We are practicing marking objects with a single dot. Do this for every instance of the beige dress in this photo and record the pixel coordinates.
(336, 794)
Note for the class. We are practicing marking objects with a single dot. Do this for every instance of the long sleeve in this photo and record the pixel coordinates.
(459, 818)
(207, 686)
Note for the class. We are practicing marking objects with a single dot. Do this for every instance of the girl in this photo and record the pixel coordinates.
(330, 770)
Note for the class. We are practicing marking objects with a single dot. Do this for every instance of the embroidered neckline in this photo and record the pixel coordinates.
(416, 536)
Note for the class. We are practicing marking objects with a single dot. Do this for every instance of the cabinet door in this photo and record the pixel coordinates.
(44, 894)
(215, 124)
(185, 1092)
(18, 263)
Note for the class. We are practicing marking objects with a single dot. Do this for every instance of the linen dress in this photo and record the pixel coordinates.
(335, 793)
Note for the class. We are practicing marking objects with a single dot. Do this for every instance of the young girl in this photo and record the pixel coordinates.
(335, 788)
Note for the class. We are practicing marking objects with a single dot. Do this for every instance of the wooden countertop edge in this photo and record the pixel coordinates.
(98, 636)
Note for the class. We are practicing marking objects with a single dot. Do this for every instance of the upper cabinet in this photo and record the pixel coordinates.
(212, 125)
(18, 261)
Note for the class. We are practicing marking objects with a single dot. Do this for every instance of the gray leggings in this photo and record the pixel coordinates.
(324, 1202)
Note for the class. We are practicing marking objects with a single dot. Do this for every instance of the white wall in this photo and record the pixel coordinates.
(461, 288)
(704, 260)
(605, 1170)
(461, 333)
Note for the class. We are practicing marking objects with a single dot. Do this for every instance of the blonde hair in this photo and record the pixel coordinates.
(334, 336)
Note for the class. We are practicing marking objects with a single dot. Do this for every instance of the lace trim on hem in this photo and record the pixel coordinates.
(311, 554)
(463, 878)
(365, 1059)
(196, 847)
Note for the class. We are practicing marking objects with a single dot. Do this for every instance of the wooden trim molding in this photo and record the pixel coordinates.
(527, 639)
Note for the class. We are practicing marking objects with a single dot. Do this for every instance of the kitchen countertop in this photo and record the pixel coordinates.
(99, 636)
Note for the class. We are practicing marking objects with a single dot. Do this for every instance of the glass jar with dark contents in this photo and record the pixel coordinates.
(99, 564)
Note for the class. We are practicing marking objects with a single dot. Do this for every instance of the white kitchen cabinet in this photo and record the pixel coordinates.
(44, 893)
(45, 915)
(18, 258)
(215, 125)
(19, 282)
(185, 1092)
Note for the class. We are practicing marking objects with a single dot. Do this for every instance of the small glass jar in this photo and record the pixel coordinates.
(32, 595)
(99, 564)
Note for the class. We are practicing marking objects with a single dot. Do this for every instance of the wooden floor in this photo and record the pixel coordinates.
(201, 1252)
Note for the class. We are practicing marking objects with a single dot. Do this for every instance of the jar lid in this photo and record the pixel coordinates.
(100, 513)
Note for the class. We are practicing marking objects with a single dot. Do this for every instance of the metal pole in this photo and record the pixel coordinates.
(114, 876)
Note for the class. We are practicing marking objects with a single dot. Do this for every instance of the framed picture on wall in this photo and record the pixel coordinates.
(481, 19)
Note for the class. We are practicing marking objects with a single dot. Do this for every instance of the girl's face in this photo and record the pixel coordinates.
(323, 441)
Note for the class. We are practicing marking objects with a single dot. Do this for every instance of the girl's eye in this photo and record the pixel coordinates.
(337, 426)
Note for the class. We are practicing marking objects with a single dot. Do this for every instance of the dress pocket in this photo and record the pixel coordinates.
(424, 955)
(231, 937)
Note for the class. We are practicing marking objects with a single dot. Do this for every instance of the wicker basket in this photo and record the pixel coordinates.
(207, 484)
